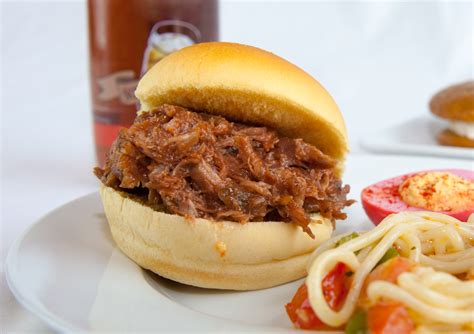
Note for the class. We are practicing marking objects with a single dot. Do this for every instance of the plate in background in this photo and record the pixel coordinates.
(414, 137)
(66, 270)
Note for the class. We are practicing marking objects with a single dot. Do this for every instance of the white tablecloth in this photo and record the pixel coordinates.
(381, 62)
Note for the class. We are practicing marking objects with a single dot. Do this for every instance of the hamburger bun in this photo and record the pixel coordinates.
(208, 254)
(450, 138)
(247, 85)
(455, 104)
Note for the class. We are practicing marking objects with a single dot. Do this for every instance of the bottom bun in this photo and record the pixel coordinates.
(209, 254)
(449, 138)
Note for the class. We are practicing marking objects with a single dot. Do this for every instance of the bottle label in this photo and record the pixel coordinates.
(119, 85)
(167, 37)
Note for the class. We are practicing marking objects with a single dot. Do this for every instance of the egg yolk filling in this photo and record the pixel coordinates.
(438, 191)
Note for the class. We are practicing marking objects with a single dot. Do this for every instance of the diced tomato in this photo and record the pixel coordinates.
(300, 311)
(383, 198)
(335, 287)
(389, 318)
(390, 270)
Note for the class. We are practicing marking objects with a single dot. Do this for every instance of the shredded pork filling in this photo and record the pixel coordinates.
(198, 165)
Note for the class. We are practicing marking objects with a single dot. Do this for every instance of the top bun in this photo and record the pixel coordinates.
(250, 85)
(455, 102)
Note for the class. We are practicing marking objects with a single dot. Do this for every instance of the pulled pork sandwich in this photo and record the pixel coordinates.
(230, 175)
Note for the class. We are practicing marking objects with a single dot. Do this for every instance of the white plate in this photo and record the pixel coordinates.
(66, 270)
(415, 137)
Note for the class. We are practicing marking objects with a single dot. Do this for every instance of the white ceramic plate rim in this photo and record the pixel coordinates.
(51, 320)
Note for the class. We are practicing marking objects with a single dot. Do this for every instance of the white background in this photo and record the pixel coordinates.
(381, 61)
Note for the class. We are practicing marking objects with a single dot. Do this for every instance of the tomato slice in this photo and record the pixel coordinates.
(335, 287)
(389, 318)
(300, 311)
(390, 270)
(383, 198)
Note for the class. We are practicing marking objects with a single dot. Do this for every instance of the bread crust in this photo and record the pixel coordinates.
(449, 138)
(203, 253)
(455, 103)
(250, 85)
